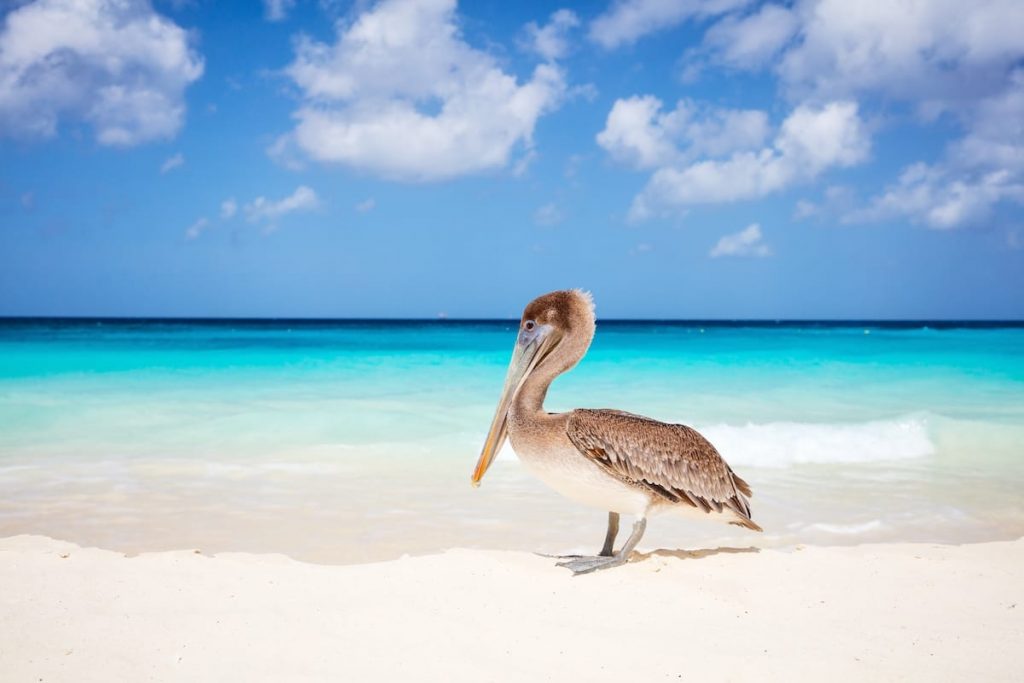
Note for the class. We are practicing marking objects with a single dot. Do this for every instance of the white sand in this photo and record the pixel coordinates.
(881, 612)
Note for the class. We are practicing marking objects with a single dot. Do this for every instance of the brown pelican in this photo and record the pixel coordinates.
(609, 459)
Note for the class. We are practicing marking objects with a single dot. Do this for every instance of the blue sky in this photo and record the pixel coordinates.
(411, 158)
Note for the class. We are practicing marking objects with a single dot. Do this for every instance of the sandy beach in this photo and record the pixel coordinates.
(873, 612)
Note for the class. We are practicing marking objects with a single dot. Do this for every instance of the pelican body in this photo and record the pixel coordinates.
(607, 459)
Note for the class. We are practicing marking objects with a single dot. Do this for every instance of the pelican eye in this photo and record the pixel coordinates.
(529, 325)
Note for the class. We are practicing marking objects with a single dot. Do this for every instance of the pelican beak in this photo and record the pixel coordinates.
(531, 348)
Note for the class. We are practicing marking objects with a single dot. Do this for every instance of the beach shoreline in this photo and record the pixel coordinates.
(876, 612)
(346, 441)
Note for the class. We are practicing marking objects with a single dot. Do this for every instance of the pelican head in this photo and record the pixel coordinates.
(554, 333)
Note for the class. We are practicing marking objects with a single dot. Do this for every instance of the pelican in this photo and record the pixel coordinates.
(608, 459)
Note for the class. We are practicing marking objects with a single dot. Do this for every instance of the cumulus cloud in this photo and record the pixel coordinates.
(980, 171)
(938, 52)
(753, 40)
(811, 140)
(367, 205)
(940, 198)
(626, 21)
(940, 57)
(746, 242)
(636, 133)
(995, 135)
(400, 94)
(961, 62)
(639, 134)
(116, 64)
(172, 163)
(551, 41)
(277, 10)
(269, 211)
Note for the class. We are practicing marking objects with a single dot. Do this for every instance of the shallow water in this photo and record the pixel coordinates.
(354, 441)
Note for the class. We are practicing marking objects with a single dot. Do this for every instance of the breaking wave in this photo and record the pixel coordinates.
(782, 444)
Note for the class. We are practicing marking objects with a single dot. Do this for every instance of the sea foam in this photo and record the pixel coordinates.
(783, 444)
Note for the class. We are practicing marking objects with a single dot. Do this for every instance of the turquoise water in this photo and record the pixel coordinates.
(354, 441)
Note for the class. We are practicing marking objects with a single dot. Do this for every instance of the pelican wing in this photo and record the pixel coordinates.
(672, 461)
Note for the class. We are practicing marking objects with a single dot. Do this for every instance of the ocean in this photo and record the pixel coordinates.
(353, 441)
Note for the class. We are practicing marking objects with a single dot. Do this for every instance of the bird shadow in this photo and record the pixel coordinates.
(700, 554)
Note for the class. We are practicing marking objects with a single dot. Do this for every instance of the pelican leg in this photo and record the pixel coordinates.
(585, 565)
(613, 530)
(609, 542)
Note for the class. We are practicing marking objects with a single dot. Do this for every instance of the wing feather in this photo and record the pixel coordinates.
(672, 461)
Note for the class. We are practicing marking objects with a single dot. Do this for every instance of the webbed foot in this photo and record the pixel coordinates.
(587, 564)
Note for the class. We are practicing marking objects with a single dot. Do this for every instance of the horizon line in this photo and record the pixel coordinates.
(445, 319)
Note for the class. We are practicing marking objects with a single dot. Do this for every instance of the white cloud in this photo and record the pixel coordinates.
(752, 41)
(629, 20)
(638, 133)
(400, 94)
(262, 209)
(196, 229)
(819, 137)
(367, 205)
(277, 10)
(746, 242)
(939, 51)
(228, 208)
(980, 171)
(995, 135)
(548, 215)
(116, 64)
(941, 57)
(961, 62)
(551, 41)
(810, 141)
(172, 162)
(938, 198)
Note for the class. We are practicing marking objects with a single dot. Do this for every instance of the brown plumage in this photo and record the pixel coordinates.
(672, 461)
(608, 459)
